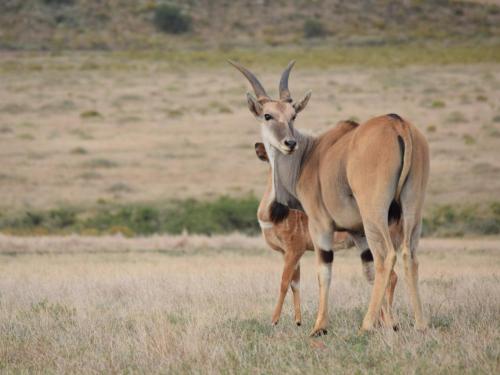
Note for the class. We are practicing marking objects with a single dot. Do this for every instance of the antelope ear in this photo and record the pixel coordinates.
(299, 106)
(260, 150)
(254, 105)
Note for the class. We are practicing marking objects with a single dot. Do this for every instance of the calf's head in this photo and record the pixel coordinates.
(277, 117)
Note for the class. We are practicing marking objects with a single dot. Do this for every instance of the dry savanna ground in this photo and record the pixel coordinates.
(82, 129)
(85, 128)
(203, 305)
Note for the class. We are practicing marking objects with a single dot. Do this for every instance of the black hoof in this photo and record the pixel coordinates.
(298, 324)
(321, 332)
(395, 327)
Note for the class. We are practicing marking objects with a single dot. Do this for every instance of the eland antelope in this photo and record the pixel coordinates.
(291, 237)
(358, 181)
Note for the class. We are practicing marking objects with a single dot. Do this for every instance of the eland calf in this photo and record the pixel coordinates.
(358, 181)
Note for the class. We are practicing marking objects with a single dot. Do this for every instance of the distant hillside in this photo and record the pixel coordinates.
(128, 24)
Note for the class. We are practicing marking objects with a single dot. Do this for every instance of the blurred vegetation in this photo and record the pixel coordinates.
(58, 2)
(170, 19)
(152, 24)
(314, 57)
(223, 215)
(453, 221)
(313, 29)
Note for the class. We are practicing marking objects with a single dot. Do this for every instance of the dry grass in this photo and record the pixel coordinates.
(169, 132)
(135, 309)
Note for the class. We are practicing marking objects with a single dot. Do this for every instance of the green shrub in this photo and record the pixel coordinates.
(58, 2)
(137, 219)
(170, 19)
(448, 220)
(469, 139)
(313, 28)
(438, 104)
(89, 114)
(223, 215)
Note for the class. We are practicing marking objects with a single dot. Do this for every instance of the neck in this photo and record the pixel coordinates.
(286, 170)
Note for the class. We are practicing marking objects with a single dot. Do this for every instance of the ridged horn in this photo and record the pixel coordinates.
(257, 87)
(284, 91)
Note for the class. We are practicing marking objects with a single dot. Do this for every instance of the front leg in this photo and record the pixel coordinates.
(322, 240)
(292, 259)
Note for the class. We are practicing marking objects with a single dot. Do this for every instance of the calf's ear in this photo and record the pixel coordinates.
(260, 151)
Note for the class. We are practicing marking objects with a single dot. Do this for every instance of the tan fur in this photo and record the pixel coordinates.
(368, 161)
(347, 180)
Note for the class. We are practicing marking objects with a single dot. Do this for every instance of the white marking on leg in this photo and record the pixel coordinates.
(325, 273)
(265, 224)
(325, 241)
(295, 285)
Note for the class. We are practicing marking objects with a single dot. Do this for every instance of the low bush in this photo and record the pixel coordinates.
(313, 29)
(170, 19)
(58, 2)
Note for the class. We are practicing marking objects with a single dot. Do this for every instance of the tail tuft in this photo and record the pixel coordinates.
(394, 214)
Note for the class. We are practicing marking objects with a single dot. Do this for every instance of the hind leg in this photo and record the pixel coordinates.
(384, 255)
(410, 243)
(386, 317)
(367, 260)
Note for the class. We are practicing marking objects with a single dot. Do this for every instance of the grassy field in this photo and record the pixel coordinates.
(203, 305)
(113, 133)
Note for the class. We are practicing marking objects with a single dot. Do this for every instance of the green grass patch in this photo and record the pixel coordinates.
(223, 215)
(90, 114)
(391, 55)
(321, 57)
(453, 221)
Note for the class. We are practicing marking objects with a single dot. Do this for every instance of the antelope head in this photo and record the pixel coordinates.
(276, 116)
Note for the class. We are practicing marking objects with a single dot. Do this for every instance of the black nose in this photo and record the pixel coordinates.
(290, 144)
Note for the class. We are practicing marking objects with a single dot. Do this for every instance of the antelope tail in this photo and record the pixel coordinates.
(406, 146)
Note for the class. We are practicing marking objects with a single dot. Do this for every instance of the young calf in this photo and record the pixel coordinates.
(291, 237)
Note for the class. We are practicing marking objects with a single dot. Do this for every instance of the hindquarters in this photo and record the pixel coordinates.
(377, 164)
(387, 171)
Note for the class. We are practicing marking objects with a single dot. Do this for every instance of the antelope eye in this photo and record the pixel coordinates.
(268, 117)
